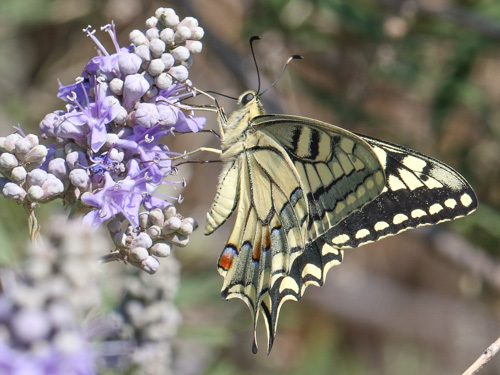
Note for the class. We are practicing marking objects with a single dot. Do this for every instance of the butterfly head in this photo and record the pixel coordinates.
(240, 120)
(251, 104)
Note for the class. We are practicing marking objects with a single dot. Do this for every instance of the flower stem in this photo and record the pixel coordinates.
(33, 226)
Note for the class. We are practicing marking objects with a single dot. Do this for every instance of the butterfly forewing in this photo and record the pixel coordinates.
(420, 191)
(338, 170)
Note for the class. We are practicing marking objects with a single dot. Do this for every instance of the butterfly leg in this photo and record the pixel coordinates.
(201, 149)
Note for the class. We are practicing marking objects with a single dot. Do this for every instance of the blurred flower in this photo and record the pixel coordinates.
(41, 310)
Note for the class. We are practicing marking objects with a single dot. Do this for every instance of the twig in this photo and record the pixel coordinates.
(488, 354)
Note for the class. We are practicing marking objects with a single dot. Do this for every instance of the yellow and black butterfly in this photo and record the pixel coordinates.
(303, 191)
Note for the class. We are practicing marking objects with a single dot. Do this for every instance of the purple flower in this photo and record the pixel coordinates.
(113, 198)
(189, 124)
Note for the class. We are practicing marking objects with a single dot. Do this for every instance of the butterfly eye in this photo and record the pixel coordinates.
(247, 98)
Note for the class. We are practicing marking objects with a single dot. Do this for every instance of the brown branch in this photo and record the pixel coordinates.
(488, 354)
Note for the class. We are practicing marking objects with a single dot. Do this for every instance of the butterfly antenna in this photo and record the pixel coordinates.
(252, 40)
(224, 95)
(293, 57)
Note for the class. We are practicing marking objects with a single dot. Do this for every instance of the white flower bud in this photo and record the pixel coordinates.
(168, 60)
(197, 33)
(137, 38)
(157, 47)
(13, 191)
(194, 46)
(167, 35)
(53, 186)
(163, 81)
(180, 240)
(143, 220)
(156, 217)
(10, 142)
(143, 52)
(22, 146)
(37, 177)
(170, 18)
(8, 161)
(138, 254)
(2, 145)
(33, 139)
(182, 34)
(116, 86)
(158, 12)
(152, 33)
(79, 178)
(35, 193)
(161, 249)
(120, 240)
(180, 73)
(58, 168)
(190, 22)
(191, 221)
(18, 175)
(169, 211)
(154, 231)
(76, 159)
(37, 154)
(111, 139)
(173, 224)
(142, 240)
(186, 228)
(180, 53)
(156, 67)
(121, 117)
(116, 154)
(151, 22)
(150, 265)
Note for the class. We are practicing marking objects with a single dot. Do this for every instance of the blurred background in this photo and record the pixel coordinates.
(424, 74)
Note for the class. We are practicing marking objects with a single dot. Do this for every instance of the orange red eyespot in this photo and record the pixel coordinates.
(226, 258)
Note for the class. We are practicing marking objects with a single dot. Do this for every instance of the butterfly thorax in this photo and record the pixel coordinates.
(235, 128)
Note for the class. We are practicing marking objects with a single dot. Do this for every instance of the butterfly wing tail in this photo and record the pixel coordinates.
(247, 271)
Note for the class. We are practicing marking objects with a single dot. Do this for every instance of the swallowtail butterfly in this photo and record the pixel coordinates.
(303, 191)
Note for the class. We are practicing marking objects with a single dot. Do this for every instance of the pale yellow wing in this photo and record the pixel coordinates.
(296, 179)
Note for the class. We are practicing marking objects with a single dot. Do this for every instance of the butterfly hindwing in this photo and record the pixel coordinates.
(226, 198)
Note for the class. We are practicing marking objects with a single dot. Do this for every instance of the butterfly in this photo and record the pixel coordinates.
(303, 191)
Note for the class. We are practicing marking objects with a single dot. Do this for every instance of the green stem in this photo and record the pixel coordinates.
(33, 226)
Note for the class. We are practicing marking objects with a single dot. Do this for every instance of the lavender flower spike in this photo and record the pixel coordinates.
(107, 151)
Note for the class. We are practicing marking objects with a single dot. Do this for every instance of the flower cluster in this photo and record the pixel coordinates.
(104, 156)
(20, 162)
(41, 313)
(160, 229)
